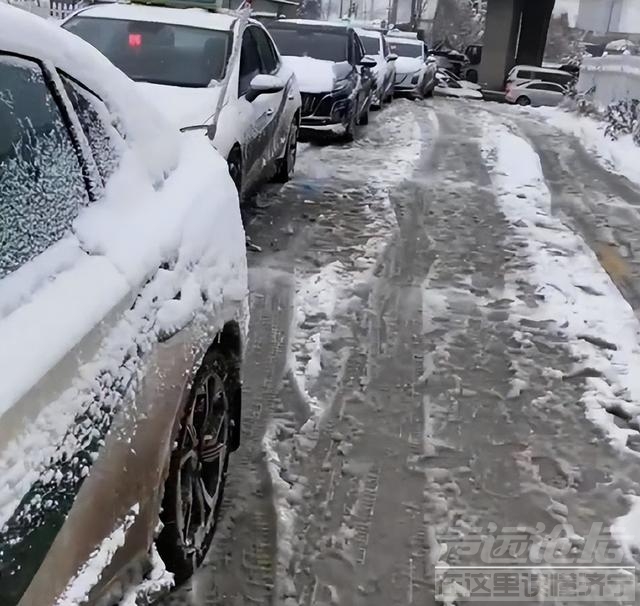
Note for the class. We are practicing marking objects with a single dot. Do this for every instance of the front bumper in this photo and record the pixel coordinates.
(325, 110)
(407, 84)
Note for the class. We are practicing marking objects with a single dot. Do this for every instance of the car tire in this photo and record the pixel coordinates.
(523, 101)
(286, 166)
(198, 466)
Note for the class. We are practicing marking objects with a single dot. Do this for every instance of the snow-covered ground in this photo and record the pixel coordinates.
(621, 156)
(573, 290)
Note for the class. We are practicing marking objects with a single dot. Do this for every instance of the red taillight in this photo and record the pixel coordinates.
(135, 40)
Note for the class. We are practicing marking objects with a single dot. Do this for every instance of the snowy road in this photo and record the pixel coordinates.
(443, 345)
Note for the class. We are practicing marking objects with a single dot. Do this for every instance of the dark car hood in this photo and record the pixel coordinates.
(316, 75)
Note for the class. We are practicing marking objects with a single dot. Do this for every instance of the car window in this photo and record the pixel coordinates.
(42, 186)
(94, 119)
(525, 75)
(268, 57)
(402, 49)
(161, 53)
(371, 45)
(309, 41)
(557, 78)
(548, 86)
(249, 62)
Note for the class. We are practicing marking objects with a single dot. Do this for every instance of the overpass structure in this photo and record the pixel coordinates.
(515, 33)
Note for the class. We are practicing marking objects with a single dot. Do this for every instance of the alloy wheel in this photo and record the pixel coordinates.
(202, 464)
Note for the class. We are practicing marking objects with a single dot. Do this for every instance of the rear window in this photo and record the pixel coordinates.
(161, 53)
(406, 50)
(310, 42)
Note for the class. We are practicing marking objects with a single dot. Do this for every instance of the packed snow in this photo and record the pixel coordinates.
(573, 290)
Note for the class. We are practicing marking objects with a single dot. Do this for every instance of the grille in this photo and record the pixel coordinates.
(309, 103)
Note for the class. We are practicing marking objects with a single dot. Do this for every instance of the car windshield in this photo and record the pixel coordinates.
(402, 49)
(311, 42)
(161, 53)
(371, 45)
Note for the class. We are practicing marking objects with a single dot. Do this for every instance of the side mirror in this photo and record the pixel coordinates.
(263, 84)
(368, 61)
(392, 57)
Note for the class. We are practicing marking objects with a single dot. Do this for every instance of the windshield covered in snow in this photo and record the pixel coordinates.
(402, 49)
(160, 53)
(311, 42)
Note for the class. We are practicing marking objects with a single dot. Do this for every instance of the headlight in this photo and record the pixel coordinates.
(415, 78)
(342, 85)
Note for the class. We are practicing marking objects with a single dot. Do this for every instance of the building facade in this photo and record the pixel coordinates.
(603, 17)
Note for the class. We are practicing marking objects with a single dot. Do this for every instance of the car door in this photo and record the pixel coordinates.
(554, 93)
(257, 113)
(278, 119)
(56, 303)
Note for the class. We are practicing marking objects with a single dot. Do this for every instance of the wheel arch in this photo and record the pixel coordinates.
(229, 341)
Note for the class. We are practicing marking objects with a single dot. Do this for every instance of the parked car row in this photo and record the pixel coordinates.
(343, 72)
(129, 136)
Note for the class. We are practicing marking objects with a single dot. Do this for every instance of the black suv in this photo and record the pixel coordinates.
(333, 73)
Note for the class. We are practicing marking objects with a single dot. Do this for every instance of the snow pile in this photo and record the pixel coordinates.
(602, 330)
(620, 156)
(575, 292)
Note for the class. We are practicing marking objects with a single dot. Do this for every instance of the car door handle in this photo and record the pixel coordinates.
(270, 112)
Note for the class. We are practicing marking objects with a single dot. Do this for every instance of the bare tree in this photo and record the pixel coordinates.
(459, 22)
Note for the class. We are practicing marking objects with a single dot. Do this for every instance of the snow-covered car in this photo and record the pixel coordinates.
(333, 71)
(536, 93)
(375, 45)
(451, 87)
(123, 285)
(204, 69)
(451, 76)
(525, 73)
(415, 70)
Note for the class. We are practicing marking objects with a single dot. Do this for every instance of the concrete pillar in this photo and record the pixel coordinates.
(536, 16)
(500, 39)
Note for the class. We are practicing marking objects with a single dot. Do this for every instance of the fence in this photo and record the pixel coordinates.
(56, 9)
(612, 78)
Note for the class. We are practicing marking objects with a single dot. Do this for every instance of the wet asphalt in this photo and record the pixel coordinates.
(380, 416)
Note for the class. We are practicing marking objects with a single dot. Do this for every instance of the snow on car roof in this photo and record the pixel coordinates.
(368, 33)
(401, 40)
(156, 143)
(193, 17)
(537, 68)
(318, 23)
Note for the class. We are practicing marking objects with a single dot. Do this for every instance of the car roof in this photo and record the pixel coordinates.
(192, 17)
(26, 34)
(317, 23)
(537, 68)
(401, 40)
(368, 33)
